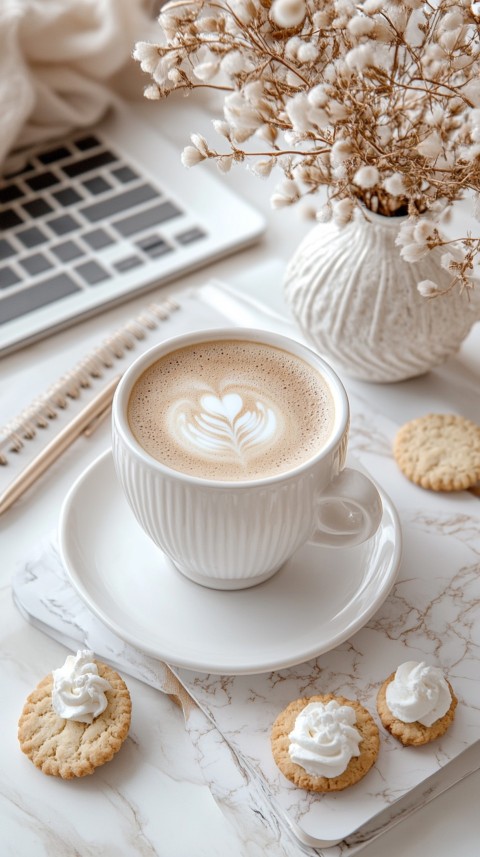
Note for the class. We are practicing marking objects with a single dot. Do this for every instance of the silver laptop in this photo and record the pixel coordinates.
(89, 221)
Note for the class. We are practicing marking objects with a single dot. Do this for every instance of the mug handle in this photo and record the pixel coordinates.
(349, 511)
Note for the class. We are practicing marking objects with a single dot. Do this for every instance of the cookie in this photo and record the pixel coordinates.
(356, 768)
(68, 748)
(413, 734)
(439, 451)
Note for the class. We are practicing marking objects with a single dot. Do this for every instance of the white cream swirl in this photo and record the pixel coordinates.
(418, 693)
(324, 738)
(78, 691)
(233, 425)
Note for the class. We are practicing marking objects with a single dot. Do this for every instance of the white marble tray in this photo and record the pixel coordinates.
(430, 614)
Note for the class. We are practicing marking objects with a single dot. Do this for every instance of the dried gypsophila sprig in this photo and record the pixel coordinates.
(379, 102)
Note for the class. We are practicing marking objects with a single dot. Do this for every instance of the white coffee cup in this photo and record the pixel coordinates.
(238, 533)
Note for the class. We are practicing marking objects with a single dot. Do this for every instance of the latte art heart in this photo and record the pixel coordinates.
(231, 410)
(224, 425)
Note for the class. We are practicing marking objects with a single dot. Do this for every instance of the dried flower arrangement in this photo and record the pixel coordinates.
(378, 101)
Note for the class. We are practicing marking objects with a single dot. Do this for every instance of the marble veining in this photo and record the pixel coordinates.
(432, 613)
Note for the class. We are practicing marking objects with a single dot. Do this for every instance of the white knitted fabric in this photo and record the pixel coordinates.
(59, 62)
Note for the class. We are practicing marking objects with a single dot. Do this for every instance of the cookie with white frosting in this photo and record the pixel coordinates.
(416, 703)
(324, 743)
(76, 719)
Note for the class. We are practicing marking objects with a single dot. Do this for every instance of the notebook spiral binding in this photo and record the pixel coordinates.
(44, 409)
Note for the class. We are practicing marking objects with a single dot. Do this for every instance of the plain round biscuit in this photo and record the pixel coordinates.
(413, 734)
(440, 452)
(66, 748)
(358, 765)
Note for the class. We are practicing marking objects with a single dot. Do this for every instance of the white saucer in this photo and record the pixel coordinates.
(317, 600)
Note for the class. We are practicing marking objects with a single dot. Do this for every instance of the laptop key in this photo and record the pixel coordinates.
(124, 175)
(8, 277)
(67, 196)
(41, 294)
(37, 263)
(146, 219)
(120, 202)
(42, 180)
(53, 155)
(9, 193)
(92, 273)
(85, 165)
(31, 237)
(98, 238)
(62, 225)
(128, 263)
(97, 185)
(9, 219)
(37, 207)
(67, 251)
(88, 142)
(154, 246)
(190, 235)
(6, 249)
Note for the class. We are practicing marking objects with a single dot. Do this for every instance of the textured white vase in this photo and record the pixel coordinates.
(356, 300)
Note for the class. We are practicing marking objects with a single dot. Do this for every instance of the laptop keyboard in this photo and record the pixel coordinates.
(75, 216)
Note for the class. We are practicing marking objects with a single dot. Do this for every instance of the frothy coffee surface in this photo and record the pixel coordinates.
(231, 410)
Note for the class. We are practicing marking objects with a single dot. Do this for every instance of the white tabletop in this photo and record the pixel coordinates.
(151, 799)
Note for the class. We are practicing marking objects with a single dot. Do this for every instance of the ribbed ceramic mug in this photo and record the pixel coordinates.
(235, 534)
